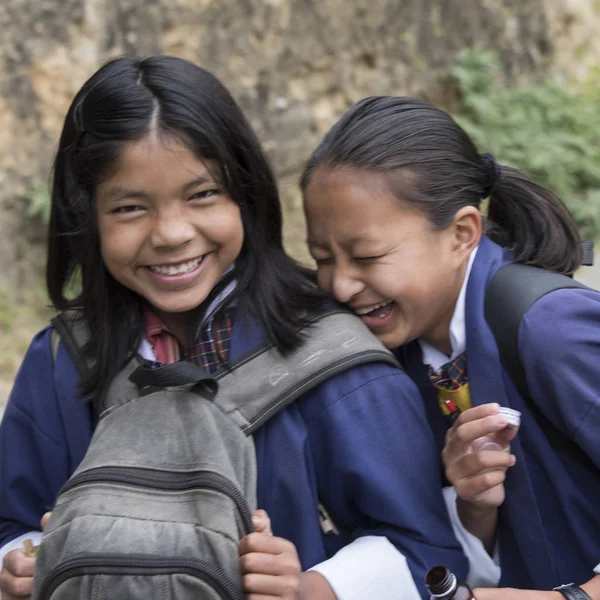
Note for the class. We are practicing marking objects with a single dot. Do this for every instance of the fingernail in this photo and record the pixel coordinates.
(513, 460)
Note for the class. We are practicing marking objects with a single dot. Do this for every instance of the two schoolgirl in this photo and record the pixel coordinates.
(166, 215)
(392, 198)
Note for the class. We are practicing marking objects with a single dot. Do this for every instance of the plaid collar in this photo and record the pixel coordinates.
(210, 350)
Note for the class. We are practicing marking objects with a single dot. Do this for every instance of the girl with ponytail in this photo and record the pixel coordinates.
(393, 199)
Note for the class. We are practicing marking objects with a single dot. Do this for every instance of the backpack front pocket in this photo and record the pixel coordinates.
(137, 576)
(170, 481)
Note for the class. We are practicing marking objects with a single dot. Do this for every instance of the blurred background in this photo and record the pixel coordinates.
(522, 76)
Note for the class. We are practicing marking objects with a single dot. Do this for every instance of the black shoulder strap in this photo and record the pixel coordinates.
(510, 293)
(74, 335)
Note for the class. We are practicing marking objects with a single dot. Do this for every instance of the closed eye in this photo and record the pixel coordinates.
(322, 261)
(127, 209)
(367, 258)
(205, 194)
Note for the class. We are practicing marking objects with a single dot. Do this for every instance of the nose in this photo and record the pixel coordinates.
(345, 284)
(172, 229)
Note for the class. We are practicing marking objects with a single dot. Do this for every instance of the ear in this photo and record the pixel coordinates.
(466, 231)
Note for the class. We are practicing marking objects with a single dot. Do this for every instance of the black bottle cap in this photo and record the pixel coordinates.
(440, 581)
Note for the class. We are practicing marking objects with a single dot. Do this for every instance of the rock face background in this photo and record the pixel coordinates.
(294, 66)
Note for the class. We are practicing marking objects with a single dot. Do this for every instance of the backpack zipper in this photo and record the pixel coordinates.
(139, 564)
(165, 480)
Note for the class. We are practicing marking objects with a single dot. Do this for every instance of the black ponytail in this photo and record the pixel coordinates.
(531, 220)
(433, 164)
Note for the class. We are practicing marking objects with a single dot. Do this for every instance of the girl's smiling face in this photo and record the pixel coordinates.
(383, 258)
(168, 228)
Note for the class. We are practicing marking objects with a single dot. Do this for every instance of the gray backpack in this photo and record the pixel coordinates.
(163, 496)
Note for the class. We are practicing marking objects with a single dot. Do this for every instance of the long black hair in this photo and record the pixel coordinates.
(434, 165)
(121, 103)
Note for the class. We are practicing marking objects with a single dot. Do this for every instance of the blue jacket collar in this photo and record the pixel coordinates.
(246, 335)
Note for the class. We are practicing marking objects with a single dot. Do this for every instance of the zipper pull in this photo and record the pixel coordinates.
(327, 525)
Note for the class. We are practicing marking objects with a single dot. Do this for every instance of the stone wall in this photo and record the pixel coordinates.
(294, 65)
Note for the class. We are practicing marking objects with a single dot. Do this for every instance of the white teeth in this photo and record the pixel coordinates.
(176, 269)
(368, 309)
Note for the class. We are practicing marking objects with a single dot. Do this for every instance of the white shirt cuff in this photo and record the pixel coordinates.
(484, 570)
(369, 567)
(34, 536)
(597, 569)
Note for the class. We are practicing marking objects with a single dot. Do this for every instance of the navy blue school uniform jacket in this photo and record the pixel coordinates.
(360, 442)
(549, 525)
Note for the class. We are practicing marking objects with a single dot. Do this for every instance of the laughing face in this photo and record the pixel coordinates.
(383, 258)
(168, 229)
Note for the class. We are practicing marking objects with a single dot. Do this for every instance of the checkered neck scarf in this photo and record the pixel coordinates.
(452, 375)
(210, 351)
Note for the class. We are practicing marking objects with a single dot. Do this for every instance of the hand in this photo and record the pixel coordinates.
(16, 577)
(270, 565)
(478, 475)
(512, 594)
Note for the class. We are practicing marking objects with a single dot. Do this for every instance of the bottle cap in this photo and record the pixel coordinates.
(511, 415)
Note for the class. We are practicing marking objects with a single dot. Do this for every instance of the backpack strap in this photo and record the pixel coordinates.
(509, 295)
(70, 329)
(511, 292)
(54, 342)
(260, 384)
(264, 382)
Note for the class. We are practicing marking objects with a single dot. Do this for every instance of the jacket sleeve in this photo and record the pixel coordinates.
(559, 346)
(33, 454)
(378, 471)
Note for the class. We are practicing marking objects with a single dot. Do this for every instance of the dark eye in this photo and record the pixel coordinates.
(204, 194)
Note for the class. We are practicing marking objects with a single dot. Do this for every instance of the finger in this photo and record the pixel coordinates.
(488, 594)
(508, 594)
(259, 562)
(279, 586)
(465, 434)
(260, 597)
(478, 412)
(261, 522)
(473, 487)
(15, 587)
(45, 519)
(269, 544)
(19, 565)
(478, 462)
(269, 564)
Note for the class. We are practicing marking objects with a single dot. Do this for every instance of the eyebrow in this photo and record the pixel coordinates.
(118, 193)
(201, 180)
(350, 243)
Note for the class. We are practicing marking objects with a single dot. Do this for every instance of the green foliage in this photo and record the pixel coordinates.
(545, 130)
(39, 202)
